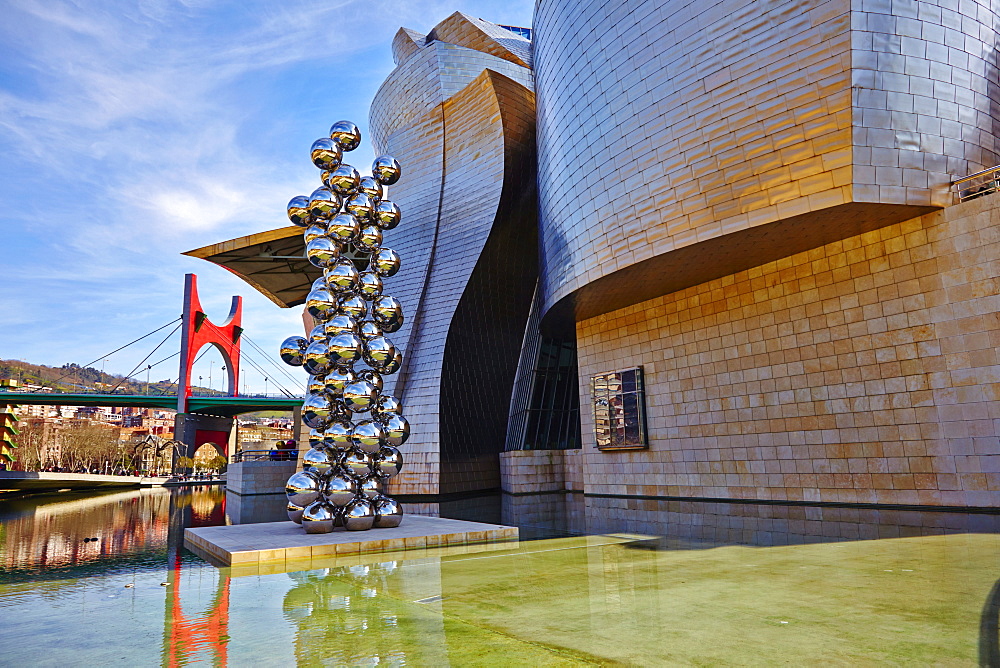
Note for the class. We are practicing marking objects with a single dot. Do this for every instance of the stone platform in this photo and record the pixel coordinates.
(270, 542)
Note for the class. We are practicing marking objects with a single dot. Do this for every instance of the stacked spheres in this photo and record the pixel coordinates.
(356, 429)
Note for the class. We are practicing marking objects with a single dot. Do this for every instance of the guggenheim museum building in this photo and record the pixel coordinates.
(667, 249)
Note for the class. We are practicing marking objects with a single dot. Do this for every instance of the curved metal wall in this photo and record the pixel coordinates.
(461, 122)
(680, 141)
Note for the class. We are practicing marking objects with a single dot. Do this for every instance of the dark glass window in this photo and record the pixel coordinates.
(619, 409)
(554, 412)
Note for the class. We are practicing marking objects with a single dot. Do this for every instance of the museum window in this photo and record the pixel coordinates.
(619, 399)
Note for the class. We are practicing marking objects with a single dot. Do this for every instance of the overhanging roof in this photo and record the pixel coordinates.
(272, 262)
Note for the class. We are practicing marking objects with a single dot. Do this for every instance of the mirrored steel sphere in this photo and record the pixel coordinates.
(358, 463)
(339, 435)
(343, 180)
(317, 333)
(393, 366)
(386, 169)
(386, 404)
(373, 377)
(387, 312)
(314, 231)
(318, 517)
(378, 352)
(303, 488)
(370, 186)
(326, 153)
(341, 323)
(371, 486)
(298, 210)
(345, 349)
(340, 489)
(318, 283)
(354, 306)
(346, 134)
(369, 436)
(388, 512)
(318, 359)
(318, 460)
(320, 304)
(293, 350)
(341, 277)
(322, 252)
(361, 206)
(294, 512)
(369, 285)
(387, 215)
(343, 228)
(316, 439)
(369, 239)
(397, 430)
(316, 411)
(323, 203)
(359, 515)
(368, 329)
(316, 385)
(337, 378)
(389, 461)
(359, 396)
(385, 262)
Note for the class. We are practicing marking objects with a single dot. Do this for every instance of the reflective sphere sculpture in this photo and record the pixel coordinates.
(370, 186)
(354, 306)
(359, 396)
(340, 489)
(346, 134)
(318, 517)
(393, 366)
(386, 169)
(386, 404)
(371, 486)
(369, 239)
(316, 385)
(298, 210)
(388, 462)
(344, 349)
(368, 329)
(339, 435)
(369, 285)
(317, 333)
(339, 324)
(343, 227)
(316, 411)
(303, 488)
(322, 252)
(317, 460)
(387, 312)
(323, 203)
(385, 262)
(317, 358)
(343, 180)
(341, 277)
(369, 436)
(358, 515)
(320, 304)
(358, 463)
(397, 430)
(292, 350)
(378, 352)
(314, 231)
(387, 215)
(388, 512)
(294, 512)
(373, 377)
(337, 379)
(326, 153)
(361, 206)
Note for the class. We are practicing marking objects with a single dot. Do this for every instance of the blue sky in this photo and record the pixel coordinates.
(133, 131)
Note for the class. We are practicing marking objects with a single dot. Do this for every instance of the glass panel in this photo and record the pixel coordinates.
(628, 380)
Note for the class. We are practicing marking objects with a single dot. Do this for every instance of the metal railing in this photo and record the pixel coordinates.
(265, 456)
(976, 185)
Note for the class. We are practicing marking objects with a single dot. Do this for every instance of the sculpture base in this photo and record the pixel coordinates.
(275, 543)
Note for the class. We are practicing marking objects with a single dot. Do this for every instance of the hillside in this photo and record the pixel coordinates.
(74, 378)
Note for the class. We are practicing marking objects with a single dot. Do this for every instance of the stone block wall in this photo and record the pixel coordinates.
(530, 471)
(865, 370)
(266, 477)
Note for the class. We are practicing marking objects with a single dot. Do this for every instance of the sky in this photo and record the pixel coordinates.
(131, 132)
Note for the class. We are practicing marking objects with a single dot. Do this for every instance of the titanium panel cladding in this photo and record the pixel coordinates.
(672, 124)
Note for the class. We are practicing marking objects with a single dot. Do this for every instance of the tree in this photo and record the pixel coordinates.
(185, 463)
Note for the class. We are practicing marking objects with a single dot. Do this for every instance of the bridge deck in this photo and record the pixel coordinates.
(41, 481)
(222, 406)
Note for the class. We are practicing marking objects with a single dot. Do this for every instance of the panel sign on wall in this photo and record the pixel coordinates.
(619, 410)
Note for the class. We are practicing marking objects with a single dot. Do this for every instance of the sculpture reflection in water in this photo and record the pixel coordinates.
(356, 429)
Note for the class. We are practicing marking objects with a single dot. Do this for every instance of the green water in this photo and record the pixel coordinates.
(707, 584)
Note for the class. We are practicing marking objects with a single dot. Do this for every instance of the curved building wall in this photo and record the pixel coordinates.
(680, 141)
(461, 122)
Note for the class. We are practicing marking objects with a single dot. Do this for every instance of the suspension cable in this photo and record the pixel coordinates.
(271, 361)
(167, 337)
